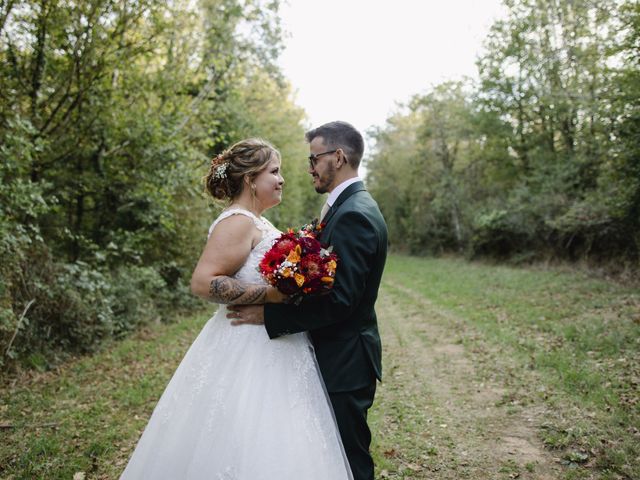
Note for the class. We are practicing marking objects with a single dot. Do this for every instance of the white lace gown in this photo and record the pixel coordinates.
(241, 406)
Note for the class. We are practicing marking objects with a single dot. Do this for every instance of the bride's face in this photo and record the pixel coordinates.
(268, 184)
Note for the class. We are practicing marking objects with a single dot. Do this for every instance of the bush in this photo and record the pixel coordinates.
(503, 233)
(137, 296)
(76, 306)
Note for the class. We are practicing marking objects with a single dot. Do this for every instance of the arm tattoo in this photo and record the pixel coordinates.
(230, 291)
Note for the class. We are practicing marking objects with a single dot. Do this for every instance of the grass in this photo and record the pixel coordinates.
(560, 350)
(87, 416)
(571, 343)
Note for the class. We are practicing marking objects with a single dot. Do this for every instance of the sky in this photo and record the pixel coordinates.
(354, 60)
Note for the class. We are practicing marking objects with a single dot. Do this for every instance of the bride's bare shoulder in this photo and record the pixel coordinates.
(232, 226)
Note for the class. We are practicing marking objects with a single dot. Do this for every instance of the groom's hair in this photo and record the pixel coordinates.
(340, 135)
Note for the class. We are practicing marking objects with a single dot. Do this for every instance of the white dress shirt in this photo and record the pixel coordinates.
(335, 193)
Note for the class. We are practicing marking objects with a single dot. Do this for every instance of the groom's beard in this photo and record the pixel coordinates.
(326, 180)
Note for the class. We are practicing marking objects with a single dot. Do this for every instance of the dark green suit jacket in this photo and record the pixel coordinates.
(343, 324)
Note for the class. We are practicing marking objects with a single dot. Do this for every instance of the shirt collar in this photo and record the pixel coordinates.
(335, 193)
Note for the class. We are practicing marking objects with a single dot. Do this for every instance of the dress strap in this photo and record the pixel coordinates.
(260, 223)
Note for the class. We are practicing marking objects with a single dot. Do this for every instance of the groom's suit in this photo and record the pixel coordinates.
(343, 324)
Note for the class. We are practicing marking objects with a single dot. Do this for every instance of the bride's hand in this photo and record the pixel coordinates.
(275, 296)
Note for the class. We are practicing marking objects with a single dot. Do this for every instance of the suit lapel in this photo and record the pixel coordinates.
(350, 190)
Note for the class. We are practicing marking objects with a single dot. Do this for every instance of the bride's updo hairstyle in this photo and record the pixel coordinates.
(228, 169)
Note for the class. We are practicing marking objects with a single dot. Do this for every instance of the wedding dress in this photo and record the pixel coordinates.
(242, 406)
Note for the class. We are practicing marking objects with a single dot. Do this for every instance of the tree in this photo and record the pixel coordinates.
(110, 113)
(540, 157)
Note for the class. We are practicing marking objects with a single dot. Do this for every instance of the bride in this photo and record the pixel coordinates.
(241, 406)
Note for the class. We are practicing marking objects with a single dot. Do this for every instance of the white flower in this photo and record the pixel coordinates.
(221, 170)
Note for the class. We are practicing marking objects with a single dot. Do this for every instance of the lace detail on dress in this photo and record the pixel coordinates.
(261, 223)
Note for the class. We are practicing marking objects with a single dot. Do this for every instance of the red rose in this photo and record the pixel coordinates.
(288, 286)
(314, 284)
(310, 245)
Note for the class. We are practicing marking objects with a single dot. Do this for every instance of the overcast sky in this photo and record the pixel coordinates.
(354, 59)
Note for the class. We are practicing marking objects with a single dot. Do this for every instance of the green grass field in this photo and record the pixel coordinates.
(522, 373)
(560, 348)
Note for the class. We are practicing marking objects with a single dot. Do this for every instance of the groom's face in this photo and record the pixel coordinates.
(324, 170)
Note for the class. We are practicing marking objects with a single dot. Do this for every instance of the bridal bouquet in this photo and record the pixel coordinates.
(298, 264)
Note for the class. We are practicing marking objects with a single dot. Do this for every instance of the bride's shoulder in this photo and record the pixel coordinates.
(233, 222)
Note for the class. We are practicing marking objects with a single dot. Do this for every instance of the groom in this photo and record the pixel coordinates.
(343, 323)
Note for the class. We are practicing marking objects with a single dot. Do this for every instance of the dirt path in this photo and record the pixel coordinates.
(444, 411)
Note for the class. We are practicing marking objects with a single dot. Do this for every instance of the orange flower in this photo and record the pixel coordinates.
(299, 279)
(331, 266)
(328, 280)
(294, 255)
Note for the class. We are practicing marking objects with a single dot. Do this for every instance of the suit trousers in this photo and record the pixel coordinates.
(351, 415)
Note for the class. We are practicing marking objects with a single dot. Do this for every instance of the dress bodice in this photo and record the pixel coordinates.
(249, 271)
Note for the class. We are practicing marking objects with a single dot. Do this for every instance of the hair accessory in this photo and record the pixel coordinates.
(221, 170)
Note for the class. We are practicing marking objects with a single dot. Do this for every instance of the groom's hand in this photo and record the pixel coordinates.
(246, 314)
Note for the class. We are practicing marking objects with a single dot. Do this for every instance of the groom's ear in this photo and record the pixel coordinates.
(342, 156)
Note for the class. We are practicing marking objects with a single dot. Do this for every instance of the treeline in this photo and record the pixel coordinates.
(109, 113)
(539, 158)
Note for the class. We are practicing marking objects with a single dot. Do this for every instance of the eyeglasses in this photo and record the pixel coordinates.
(313, 159)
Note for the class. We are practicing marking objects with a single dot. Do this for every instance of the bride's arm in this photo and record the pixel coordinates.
(225, 252)
(230, 291)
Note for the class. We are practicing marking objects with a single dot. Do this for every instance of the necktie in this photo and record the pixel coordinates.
(325, 209)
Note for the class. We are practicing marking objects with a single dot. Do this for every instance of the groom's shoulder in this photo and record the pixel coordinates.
(358, 202)
(360, 196)
(364, 198)
(362, 204)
